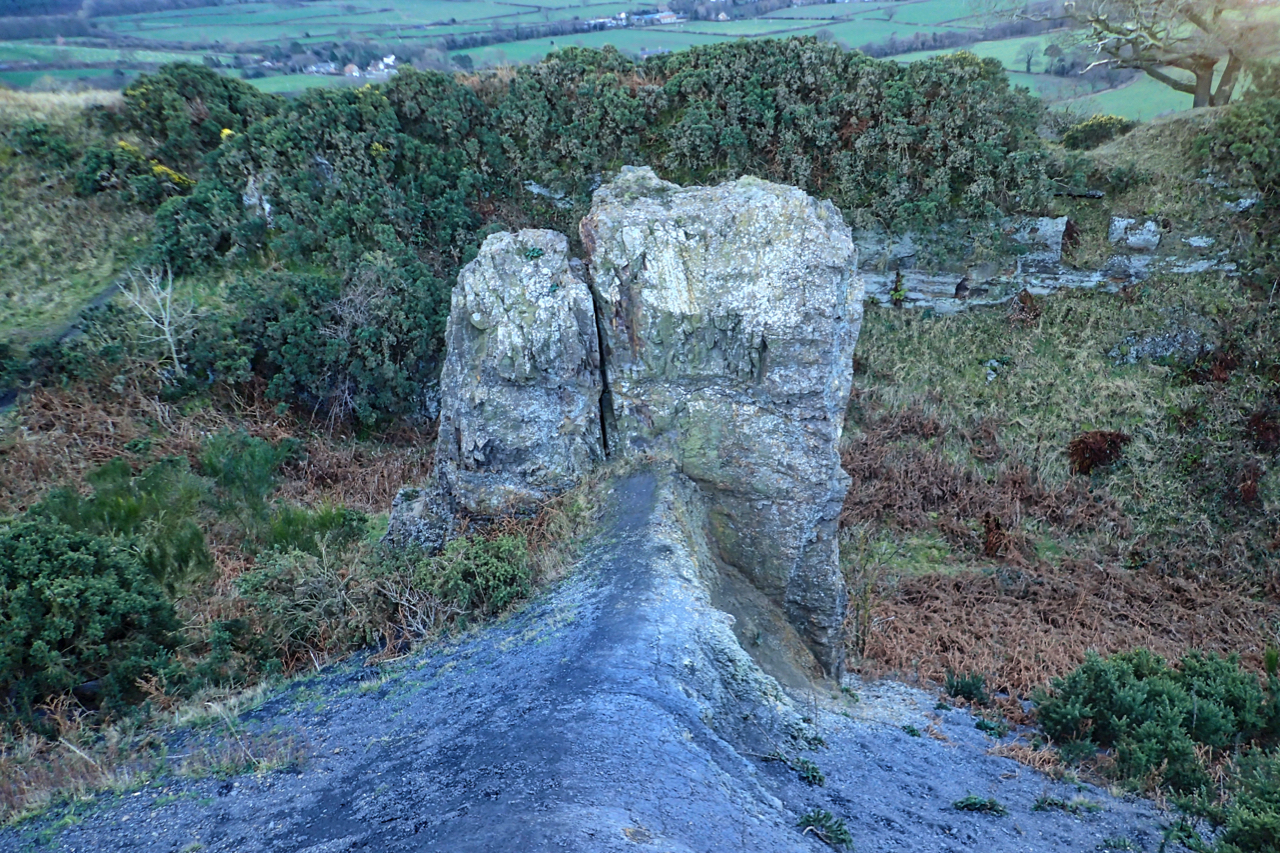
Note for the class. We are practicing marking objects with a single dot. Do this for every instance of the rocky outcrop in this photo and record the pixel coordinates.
(520, 389)
(729, 316)
(716, 339)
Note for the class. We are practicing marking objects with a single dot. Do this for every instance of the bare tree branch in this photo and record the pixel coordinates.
(151, 291)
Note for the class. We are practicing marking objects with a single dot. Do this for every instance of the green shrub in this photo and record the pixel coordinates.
(826, 826)
(1156, 716)
(1251, 820)
(74, 609)
(970, 685)
(479, 575)
(1094, 131)
(974, 803)
(245, 470)
(185, 108)
(363, 348)
(309, 604)
(155, 512)
(123, 169)
(907, 145)
(36, 139)
(293, 528)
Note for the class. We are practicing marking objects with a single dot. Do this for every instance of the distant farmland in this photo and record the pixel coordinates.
(489, 33)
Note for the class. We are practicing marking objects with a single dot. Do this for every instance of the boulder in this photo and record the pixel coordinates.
(520, 390)
(729, 316)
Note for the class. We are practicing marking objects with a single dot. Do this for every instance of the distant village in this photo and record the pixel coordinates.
(382, 69)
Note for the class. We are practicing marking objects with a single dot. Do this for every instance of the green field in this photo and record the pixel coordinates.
(1143, 100)
(16, 51)
(1005, 50)
(260, 23)
(287, 84)
(650, 39)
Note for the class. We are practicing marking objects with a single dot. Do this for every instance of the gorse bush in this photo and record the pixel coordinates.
(310, 604)
(1161, 720)
(480, 576)
(904, 145)
(245, 471)
(1094, 131)
(153, 513)
(185, 108)
(76, 609)
(359, 349)
(968, 685)
(123, 169)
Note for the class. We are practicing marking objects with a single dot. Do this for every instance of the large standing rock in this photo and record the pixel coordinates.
(729, 316)
(520, 390)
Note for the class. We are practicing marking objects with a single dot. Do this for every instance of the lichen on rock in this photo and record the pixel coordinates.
(520, 389)
(715, 338)
(729, 316)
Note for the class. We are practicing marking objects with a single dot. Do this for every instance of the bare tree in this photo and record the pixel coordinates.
(1198, 36)
(151, 291)
(1027, 53)
(1209, 40)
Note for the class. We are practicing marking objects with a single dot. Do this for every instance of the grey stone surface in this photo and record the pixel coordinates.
(1138, 238)
(615, 713)
(520, 389)
(729, 316)
(1044, 235)
(1181, 337)
(420, 517)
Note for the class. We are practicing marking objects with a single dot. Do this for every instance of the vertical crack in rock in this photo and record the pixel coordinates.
(713, 327)
(606, 398)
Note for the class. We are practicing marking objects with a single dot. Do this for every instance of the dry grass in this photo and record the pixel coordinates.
(972, 544)
(81, 761)
(57, 250)
(53, 107)
(1020, 627)
(59, 435)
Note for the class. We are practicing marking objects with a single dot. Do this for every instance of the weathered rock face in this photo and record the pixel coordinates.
(520, 390)
(729, 316)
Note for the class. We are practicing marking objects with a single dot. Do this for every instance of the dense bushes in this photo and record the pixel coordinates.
(479, 575)
(333, 177)
(360, 348)
(76, 610)
(153, 512)
(186, 108)
(903, 145)
(1157, 717)
(1206, 729)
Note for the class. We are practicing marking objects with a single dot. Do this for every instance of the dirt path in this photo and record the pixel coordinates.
(609, 715)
